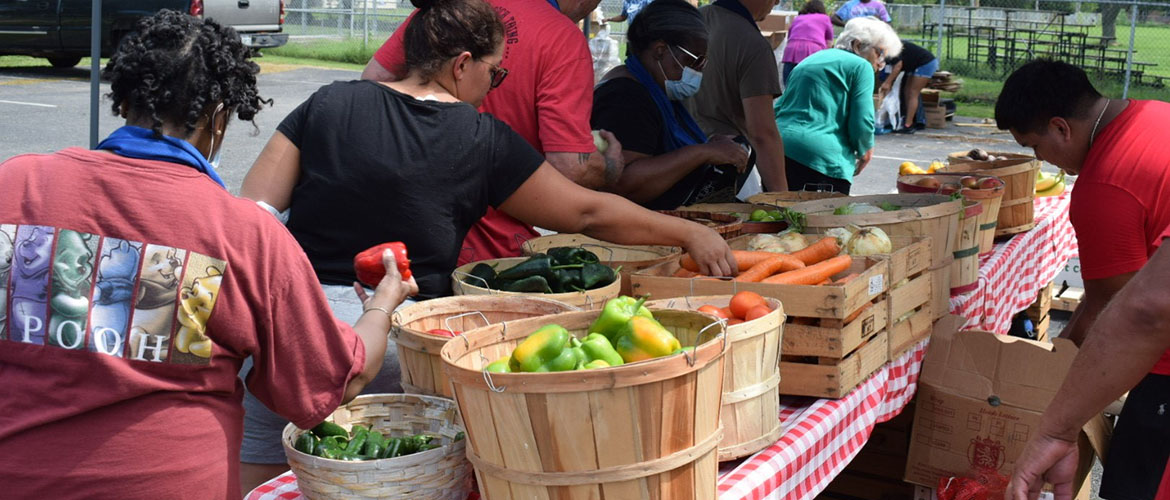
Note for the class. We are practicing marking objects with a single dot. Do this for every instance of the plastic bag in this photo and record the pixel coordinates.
(889, 115)
(605, 53)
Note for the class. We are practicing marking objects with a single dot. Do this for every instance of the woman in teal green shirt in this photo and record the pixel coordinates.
(826, 113)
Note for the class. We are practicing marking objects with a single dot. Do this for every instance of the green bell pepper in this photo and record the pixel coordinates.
(539, 349)
(597, 363)
(645, 338)
(597, 347)
(499, 366)
(572, 357)
(616, 313)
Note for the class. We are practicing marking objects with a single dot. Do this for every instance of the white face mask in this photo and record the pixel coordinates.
(687, 86)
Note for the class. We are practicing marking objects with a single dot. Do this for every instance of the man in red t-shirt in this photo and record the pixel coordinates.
(546, 98)
(1119, 350)
(1120, 207)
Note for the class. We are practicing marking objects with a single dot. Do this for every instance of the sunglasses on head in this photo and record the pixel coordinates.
(498, 75)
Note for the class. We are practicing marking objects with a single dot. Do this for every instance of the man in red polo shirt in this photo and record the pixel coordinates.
(546, 98)
(1120, 150)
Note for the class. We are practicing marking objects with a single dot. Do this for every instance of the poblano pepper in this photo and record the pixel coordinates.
(567, 279)
(594, 275)
(572, 255)
(597, 347)
(644, 338)
(537, 284)
(616, 314)
(537, 265)
(539, 349)
(482, 275)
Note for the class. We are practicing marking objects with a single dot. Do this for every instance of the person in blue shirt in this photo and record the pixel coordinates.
(860, 8)
(630, 8)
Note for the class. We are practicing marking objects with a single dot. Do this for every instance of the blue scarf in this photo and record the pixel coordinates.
(555, 4)
(681, 130)
(141, 143)
(738, 8)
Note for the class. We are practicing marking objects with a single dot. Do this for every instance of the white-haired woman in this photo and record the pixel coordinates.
(826, 113)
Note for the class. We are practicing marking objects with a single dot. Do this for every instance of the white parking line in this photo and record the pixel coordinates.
(39, 105)
(900, 159)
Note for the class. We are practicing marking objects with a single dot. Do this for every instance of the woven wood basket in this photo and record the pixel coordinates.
(790, 198)
(932, 215)
(418, 351)
(728, 226)
(989, 197)
(588, 299)
(439, 474)
(751, 377)
(629, 258)
(965, 269)
(1018, 172)
(641, 430)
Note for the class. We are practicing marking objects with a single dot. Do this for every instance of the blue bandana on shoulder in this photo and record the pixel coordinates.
(681, 129)
(555, 4)
(141, 143)
(738, 8)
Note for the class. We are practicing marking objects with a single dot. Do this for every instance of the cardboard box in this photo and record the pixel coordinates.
(936, 116)
(777, 21)
(775, 37)
(930, 97)
(980, 399)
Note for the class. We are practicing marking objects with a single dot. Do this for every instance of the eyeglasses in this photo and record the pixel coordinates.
(498, 75)
(699, 61)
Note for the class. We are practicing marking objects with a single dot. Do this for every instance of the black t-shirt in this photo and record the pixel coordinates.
(624, 107)
(378, 166)
(912, 57)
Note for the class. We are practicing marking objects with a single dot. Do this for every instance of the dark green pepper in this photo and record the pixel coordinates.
(596, 275)
(537, 284)
(564, 256)
(393, 448)
(460, 435)
(306, 443)
(482, 275)
(537, 265)
(567, 280)
(328, 428)
(360, 434)
(374, 445)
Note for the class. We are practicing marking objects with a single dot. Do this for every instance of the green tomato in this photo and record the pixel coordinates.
(776, 215)
(758, 215)
(768, 218)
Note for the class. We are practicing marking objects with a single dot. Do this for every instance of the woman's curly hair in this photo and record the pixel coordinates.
(174, 67)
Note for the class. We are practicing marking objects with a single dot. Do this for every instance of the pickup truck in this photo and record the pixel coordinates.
(59, 30)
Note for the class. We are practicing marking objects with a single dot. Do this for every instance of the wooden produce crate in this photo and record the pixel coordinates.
(727, 226)
(790, 198)
(911, 292)
(831, 377)
(1039, 309)
(1042, 329)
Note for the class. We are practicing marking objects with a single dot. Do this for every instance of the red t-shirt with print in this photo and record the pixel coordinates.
(1121, 205)
(130, 293)
(545, 98)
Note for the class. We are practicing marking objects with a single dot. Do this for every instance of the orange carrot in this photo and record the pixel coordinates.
(824, 249)
(779, 262)
(685, 273)
(846, 279)
(744, 259)
(813, 274)
(826, 282)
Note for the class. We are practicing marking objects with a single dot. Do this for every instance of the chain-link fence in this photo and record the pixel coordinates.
(1123, 44)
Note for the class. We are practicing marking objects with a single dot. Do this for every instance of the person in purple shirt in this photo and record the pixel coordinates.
(860, 8)
(810, 31)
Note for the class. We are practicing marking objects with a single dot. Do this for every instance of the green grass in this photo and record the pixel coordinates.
(36, 62)
(342, 51)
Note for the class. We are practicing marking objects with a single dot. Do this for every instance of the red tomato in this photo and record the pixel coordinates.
(734, 321)
(727, 312)
(757, 312)
(714, 311)
(442, 333)
(744, 301)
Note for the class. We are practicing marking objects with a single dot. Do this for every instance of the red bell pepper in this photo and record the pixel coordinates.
(368, 264)
(442, 333)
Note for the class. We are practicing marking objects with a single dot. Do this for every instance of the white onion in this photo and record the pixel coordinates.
(869, 241)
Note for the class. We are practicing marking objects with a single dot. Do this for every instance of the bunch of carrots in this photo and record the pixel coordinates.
(816, 264)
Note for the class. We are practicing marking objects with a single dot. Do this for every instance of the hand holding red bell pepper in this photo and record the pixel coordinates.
(368, 264)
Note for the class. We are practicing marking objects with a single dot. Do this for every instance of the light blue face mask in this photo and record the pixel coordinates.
(687, 86)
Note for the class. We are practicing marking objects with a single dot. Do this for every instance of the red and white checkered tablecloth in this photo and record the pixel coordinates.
(821, 437)
(1015, 271)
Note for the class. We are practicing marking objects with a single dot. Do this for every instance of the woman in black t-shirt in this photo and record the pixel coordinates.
(361, 163)
(918, 65)
(669, 161)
